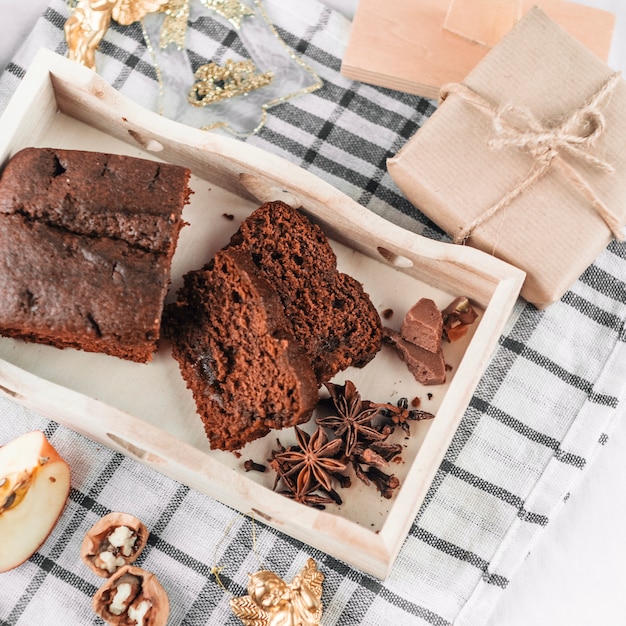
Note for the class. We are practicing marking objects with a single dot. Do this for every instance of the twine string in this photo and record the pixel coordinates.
(216, 569)
(575, 135)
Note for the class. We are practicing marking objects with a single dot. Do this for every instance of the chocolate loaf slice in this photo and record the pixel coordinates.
(86, 243)
(237, 353)
(331, 315)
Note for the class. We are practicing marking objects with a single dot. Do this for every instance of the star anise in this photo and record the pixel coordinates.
(309, 468)
(311, 461)
(353, 421)
(310, 497)
(277, 463)
(400, 414)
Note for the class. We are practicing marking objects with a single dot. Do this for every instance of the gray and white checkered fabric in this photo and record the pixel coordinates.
(542, 411)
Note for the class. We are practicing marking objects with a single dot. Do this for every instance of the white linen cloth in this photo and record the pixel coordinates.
(542, 411)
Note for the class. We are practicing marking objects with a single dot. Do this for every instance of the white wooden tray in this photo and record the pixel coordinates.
(145, 411)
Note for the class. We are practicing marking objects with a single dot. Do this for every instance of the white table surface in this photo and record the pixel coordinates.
(576, 572)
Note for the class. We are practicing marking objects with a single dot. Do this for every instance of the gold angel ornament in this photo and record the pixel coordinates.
(90, 20)
(273, 602)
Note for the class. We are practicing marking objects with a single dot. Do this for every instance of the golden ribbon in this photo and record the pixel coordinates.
(575, 135)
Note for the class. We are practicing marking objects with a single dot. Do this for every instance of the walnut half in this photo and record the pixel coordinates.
(132, 597)
(114, 541)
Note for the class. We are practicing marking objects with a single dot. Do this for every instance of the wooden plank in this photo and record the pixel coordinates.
(482, 21)
(403, 45)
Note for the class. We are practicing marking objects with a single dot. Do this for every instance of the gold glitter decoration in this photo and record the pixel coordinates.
(157, 68)
(91, 19)
(232, 10)
(285, 98)
(272, 601)
(235, 78)
(174, 27)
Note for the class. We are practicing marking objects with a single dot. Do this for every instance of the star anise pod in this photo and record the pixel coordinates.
(400, 414)
(353, 421)
(311, 461)
(308, 497)
(277, 464)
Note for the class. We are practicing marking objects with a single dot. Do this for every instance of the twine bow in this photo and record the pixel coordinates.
(575, 135)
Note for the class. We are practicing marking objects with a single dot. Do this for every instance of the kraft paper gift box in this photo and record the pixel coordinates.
(526, 158)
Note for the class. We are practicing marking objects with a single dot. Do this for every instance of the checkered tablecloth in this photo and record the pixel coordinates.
(541, 412)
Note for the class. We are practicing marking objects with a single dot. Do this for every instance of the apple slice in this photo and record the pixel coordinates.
(34, 487)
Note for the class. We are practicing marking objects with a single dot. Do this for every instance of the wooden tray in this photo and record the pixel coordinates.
(145, 411)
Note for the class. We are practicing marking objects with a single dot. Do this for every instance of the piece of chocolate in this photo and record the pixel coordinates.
(427, 367)
(423, 325)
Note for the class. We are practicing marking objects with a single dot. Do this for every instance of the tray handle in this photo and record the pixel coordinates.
(136, 451)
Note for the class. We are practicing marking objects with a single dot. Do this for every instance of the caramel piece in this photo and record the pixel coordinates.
(457, 318)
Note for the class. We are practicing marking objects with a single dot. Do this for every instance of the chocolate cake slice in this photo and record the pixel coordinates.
(237, 353)
(330, 313)
(86, 243)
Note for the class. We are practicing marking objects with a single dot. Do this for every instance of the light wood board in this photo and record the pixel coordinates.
(403, 45)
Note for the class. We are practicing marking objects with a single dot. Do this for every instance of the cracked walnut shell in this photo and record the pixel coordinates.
(132, 597)
(114, 541)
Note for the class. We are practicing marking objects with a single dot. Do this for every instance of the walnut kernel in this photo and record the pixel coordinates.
(114, 541)
(132, 597)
